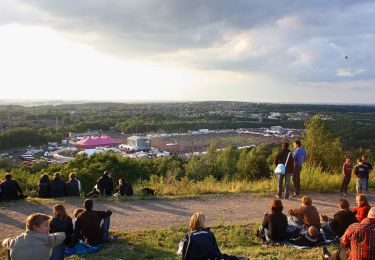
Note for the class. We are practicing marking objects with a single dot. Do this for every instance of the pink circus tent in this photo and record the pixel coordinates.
(94, 141)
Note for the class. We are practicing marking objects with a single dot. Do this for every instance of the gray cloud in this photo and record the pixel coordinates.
(304, 41)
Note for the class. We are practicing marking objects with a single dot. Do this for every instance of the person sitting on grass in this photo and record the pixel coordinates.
(73, 186)
(362, 208)
(93, 225)
(10, 189)
(44, 186)
(57, 186)
(124, 188)
(105, 184)
(274, 225)
(75, 214)
(36, 242)
(200, 242)
(357, 241)
(305, 216)
(61, 222)
(310, 238)
(340, 222)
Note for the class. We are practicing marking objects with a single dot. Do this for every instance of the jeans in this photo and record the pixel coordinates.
(58, 252)
(287, 184)
(296, 178)
(328, 231)
(105, 228)
(361, 185)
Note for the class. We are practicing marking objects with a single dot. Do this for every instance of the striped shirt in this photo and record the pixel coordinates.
(360, 237)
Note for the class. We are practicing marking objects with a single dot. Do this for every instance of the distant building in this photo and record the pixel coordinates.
(277, 130)
(95, 141)
(204, 131)
(139, 143)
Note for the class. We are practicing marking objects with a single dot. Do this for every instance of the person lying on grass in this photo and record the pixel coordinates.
(36, 242)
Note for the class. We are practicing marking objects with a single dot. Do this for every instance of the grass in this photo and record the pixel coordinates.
(163, 243)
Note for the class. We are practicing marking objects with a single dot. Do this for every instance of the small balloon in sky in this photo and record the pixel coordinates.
(346, 57)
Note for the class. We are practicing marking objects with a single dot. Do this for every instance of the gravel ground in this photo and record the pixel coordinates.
(146, 214)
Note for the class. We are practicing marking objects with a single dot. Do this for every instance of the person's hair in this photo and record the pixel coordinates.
(276, 206)
(371, 213)
(61, 211)
(56, 176)
(122, 181)
(88, 203)
(359, 160)
(78, 211)
(285, 145)
(36, 219)
(344, 204)
(72, 175)
(44, 176)
(197, 221)
(8, 176)
(306, 200)
(313, 232)
(298, 143)
(106, 173)
(364, 157)
(362, 197)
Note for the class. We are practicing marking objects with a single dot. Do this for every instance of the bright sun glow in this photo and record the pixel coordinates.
(39, 63)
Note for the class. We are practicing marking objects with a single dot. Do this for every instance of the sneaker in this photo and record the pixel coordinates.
(326, 254)
(294, 195)
(277, 197)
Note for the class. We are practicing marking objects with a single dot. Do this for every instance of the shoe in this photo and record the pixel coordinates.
(294, 195)
(326, 254)
(277, 197)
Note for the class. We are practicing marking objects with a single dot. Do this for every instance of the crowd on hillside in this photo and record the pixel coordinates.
(51, 238)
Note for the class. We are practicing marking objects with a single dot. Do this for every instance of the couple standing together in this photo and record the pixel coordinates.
(293, 166)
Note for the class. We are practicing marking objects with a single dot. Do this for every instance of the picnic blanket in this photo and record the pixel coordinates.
(82, 248)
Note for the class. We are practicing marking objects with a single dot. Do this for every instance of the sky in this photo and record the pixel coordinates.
(288, 51)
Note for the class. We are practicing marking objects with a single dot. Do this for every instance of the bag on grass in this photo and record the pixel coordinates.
(281, 168)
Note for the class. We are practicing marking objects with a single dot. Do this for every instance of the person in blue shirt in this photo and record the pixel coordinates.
(299, 156)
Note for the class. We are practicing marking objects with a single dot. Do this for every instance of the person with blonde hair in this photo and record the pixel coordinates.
(35, 242)
(362, 207)
(73, 186)
(307, 215)
(199, 242)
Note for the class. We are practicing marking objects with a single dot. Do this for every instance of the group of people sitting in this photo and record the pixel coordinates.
(57, 187)
(306, 228)
(48, 238)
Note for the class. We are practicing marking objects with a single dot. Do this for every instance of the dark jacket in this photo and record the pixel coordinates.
(276, 223)
(341, 221)
(72, 188)
(44, 187)
(361, 171)
(57, 188)
(281, 158)
(105, 185)
(10, 190)
(66, 225)
(306, 240)
(88, 225)
(200, 244)
(126, 189)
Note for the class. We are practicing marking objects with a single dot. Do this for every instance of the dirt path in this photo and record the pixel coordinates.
(146, 214)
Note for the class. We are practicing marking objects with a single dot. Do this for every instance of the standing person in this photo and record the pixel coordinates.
(362, 207)
(57, 186)
(284, 157)
(299, 156)
(93, 225)
(36, 243)
(105, 184)
(73, 186)
(44, 185)
(347, 175)
(361, 172)
(10, 190)
(61, 222)
(369, 168)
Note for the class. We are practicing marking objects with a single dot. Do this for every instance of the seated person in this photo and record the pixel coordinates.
(274, 225)
(124, 188)
(10, 190)
(36, 242)
(200, 242)
(340, 222)
(310, 238)
(75, 214)
(57, 186)
(94, 192)
(362, 208)
(357, 241)
(93, 225)
(306, 216)
(105, 184)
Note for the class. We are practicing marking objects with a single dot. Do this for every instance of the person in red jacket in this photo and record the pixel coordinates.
(347, 175)
(362, 208)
